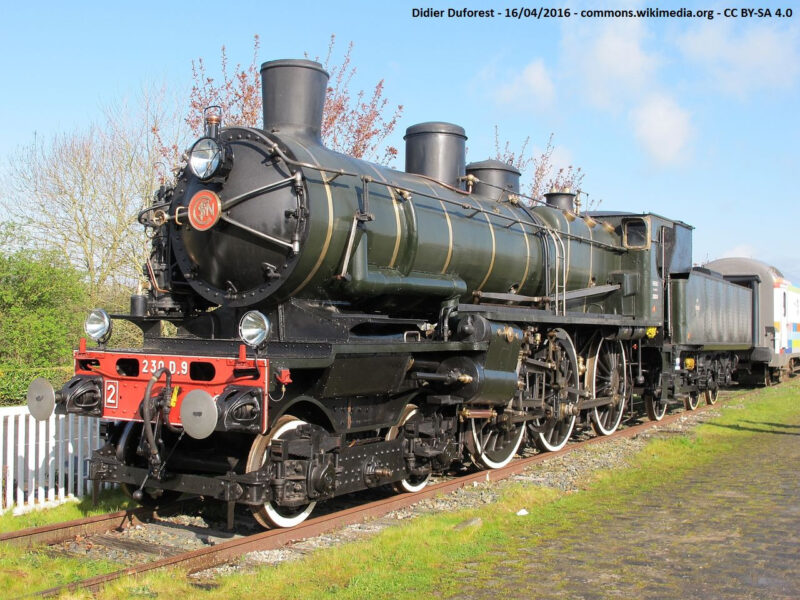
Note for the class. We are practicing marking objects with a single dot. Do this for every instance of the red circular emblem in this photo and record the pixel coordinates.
(204, 210)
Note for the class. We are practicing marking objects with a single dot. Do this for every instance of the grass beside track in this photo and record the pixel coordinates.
(25, 571)
(425, 554)
(108, 501)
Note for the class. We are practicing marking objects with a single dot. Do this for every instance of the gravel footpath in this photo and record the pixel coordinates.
(564, 473)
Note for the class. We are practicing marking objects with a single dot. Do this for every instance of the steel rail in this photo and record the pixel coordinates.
(60, 532)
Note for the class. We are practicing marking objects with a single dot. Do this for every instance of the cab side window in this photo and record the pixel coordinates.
(635, 233)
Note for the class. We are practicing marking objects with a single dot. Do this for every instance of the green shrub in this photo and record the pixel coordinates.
(42, 306)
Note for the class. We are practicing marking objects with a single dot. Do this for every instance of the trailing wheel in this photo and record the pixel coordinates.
(691, 401)
(562, 384)
(412, 483)
(654, 407)
(712, 392)
(711, 396)
(607, 378)
(270, 514)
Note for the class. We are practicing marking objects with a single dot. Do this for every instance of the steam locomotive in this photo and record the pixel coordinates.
(339, 325)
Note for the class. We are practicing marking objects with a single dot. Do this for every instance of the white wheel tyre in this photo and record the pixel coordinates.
(494, 458)
(609, 374)
(269, 514)
(409, 485)
(555, 442)
(558, 433)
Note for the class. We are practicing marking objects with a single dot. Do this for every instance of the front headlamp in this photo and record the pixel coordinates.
(98, 325)
(206, 157)
(254, 328)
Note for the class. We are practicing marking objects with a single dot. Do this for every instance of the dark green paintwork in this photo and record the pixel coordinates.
(710, 312)
(407, 251)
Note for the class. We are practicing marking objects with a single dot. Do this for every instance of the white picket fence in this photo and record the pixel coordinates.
(44, 463)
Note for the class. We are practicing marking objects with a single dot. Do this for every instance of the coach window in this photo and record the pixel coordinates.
(635, 234)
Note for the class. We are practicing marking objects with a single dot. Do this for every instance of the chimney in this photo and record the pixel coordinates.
(293, 94)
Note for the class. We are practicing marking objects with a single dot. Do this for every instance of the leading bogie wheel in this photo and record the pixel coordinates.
(269, 514)
(412, 483)
(607, 378)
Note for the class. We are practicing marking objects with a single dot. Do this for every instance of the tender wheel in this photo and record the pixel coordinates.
(655, 409)
(494, 442)
(607, 377)
(551, 434)
(271, 515)
(411, 483)
(691, 401)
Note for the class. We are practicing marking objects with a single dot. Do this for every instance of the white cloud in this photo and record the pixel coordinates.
(533, 87)
(612, 63)
(759, 57)
(663, 128)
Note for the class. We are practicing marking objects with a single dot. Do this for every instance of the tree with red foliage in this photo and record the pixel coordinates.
(354, 124)
(544, 177)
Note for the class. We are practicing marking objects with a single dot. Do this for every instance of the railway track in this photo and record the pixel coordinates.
(219, 547)
(116, 521)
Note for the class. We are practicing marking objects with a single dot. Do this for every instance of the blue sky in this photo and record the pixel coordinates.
(694, 119)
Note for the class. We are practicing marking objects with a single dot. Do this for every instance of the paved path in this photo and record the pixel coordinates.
(726, 530)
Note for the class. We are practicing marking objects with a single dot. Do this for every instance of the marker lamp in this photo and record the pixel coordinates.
(254, 328)
(98, 325)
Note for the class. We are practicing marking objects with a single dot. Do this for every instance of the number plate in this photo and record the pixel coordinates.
(176, 367)
(111, 393)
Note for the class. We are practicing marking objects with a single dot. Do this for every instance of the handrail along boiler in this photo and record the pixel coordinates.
(342, 325)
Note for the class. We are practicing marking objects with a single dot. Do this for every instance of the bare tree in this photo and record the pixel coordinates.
(355, 123)
(539, 167)
(80, 193)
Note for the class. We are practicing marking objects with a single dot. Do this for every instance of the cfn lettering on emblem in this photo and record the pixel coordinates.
(204, 211)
